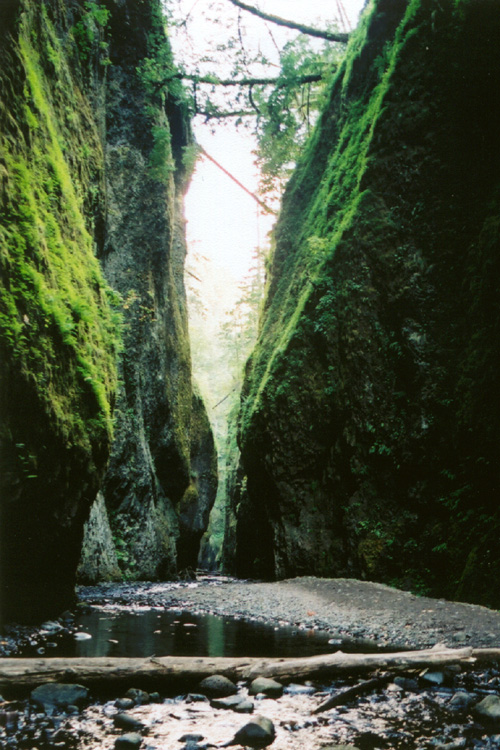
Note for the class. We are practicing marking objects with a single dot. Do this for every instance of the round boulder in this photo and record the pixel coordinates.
(56, 695)
(257, 733)
(488, 710)
(271, 688)
(127, 722)
(217, 686)
(131, 741)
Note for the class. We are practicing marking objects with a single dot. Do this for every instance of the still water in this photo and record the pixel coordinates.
(163, 633)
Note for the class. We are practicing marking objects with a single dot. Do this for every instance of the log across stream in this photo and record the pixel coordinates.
(176, 672)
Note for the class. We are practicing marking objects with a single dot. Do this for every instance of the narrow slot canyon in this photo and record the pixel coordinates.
(249, 409)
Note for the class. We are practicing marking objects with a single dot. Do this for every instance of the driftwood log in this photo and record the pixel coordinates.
(343, 696)
(172, 672)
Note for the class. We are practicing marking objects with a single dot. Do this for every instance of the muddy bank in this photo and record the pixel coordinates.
(346, 608)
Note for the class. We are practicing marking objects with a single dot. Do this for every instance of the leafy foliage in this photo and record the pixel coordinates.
(281, 112)
(287, 112)
(89, 33)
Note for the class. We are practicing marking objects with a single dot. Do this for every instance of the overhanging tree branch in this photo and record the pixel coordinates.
(220, 114)
(330, 36)
(214, 81)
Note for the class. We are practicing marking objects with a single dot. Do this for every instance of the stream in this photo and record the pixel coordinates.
(413, 710)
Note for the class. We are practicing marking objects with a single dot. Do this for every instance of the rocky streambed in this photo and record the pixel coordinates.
(443, 709)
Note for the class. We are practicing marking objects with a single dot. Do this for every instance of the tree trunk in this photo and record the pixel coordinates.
(173, 673)
(330, 36)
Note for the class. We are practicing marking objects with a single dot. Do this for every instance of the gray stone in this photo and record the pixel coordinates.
(294, 689)
(461, 700)
(59, 695)
(130, 741)
(196, 698)
(217, 686)
(433, 678)
(98, 561)
(268, 687)
(191, 738)
(488, 709)
(228, 703)
(51, 626)
(453, 745)
(140, 697)
(406, 683)
(257, 733)
(237, 703)
(124, 703)
(130, 723)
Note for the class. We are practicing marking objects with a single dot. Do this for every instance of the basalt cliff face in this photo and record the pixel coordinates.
(369, 426)
(149, 482)
(58, 325)
(95, 378)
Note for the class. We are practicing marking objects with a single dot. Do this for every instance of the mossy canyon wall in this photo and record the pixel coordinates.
(369, 426)
(95, 376)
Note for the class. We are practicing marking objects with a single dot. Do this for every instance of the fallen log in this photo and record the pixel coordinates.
(172, 672)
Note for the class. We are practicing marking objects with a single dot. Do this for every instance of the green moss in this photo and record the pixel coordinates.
(59, 321)
(324, 209)
(368, 378)
(89, 33)
(161, 164)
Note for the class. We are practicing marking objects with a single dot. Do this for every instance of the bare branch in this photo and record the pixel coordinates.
(236, 387)
(234, 179)
(330, 36)
(251, 100)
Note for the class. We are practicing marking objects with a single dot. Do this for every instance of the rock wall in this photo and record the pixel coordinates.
(217, 544)
(157, 422)
(92, 235)
(198, 499)
(99, 560)
(369, 426)
(58, 319)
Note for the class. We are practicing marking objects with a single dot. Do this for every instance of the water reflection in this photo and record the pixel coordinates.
(151, 632)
